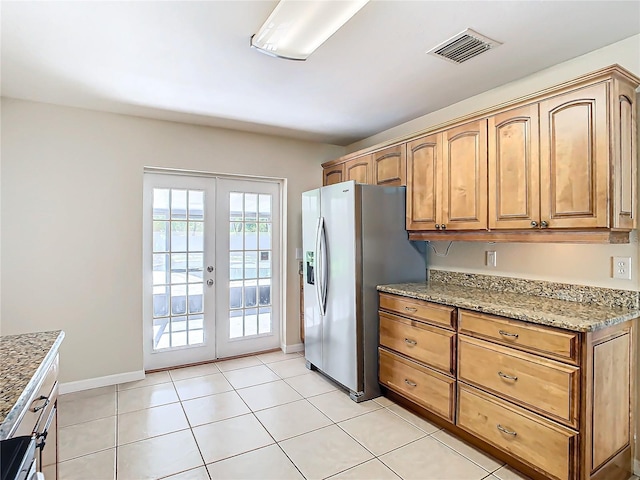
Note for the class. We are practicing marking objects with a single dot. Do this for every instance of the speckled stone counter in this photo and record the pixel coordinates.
(24, 360)
(578, 316)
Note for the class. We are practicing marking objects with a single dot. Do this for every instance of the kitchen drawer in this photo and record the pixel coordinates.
(542, 444)
(540, 384)
(559, 344)
(40, 401)
(431, 345)
(428, 388)
(419, 309)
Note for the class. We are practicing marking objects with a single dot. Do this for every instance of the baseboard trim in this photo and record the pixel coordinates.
(296, 347)
(79, 385)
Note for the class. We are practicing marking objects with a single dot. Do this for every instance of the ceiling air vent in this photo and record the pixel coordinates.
(464, 46)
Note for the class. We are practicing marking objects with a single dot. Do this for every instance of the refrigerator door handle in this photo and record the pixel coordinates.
(325, 269)
(317, 264)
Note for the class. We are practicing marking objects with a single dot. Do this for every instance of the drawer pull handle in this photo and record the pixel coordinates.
(507, 334)
(40, 407)
(508, 432)
(411, 309)
(410, 383)
(508, 377)
(408, 341)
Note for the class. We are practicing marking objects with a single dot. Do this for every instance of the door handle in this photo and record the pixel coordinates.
(317, 263)
(40, 407)
(325, 269)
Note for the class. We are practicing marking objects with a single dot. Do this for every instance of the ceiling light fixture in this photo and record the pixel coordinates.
(296, 28)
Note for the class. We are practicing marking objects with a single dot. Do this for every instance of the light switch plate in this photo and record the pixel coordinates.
(491, 258)
(622, 268)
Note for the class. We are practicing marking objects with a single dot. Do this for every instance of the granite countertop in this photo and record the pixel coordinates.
(24, 360)
(570, 315)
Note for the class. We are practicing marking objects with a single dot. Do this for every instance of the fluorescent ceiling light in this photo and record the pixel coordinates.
(297, 27)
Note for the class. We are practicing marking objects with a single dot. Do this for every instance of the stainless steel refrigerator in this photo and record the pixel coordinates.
(354, 239)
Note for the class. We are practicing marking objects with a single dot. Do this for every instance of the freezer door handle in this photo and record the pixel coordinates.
(318, 267)
(324, 262)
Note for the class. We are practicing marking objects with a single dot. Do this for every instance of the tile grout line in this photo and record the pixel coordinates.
(193, 435)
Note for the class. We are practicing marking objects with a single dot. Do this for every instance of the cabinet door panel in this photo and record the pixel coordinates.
(359, 169)
(514, 179)
(574, 170)
(423, 182)
(611, 398)
(390, 166)
(331, 175)
(625, 156)
(464, 173)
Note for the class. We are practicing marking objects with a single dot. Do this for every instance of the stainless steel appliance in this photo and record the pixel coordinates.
(353, 240)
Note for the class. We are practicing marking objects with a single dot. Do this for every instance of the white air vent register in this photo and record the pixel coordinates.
(463, 46)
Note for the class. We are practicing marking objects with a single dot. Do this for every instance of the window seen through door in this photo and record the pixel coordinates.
(178, 265)
(250, 266)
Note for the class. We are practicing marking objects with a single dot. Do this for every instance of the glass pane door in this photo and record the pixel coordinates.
(178, 252)
(179, 299)
(248, 303)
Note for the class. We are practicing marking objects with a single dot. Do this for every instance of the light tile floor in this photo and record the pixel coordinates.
(259, 417)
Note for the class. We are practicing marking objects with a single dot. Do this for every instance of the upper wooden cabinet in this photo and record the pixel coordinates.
(514, 177)
(359, 169)
(447, 179)
(390, 166)
(555, 166)
(568, 183)
(464, 177)
(574, 159)
(333, 174)
(424, 181)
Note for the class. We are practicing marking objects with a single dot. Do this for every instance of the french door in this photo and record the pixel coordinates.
(212, 268)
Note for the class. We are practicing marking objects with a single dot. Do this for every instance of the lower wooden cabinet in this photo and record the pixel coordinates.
(428, 344)
(532, 438)
(424, 386)
(545, 386)
(554, 403)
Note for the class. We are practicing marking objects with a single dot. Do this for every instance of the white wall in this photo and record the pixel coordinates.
(72, 222)
(581, 264)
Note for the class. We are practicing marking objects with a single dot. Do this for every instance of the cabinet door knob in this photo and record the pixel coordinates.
(437, 226)
(534, 224)
(443, 226)
(544, 224)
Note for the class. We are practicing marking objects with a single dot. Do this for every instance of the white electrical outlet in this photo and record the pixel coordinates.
(491, 258)
(622, 268)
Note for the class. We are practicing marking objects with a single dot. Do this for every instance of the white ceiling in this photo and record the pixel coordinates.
(191, 61)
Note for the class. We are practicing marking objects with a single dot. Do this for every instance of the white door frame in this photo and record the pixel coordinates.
(282, 264)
